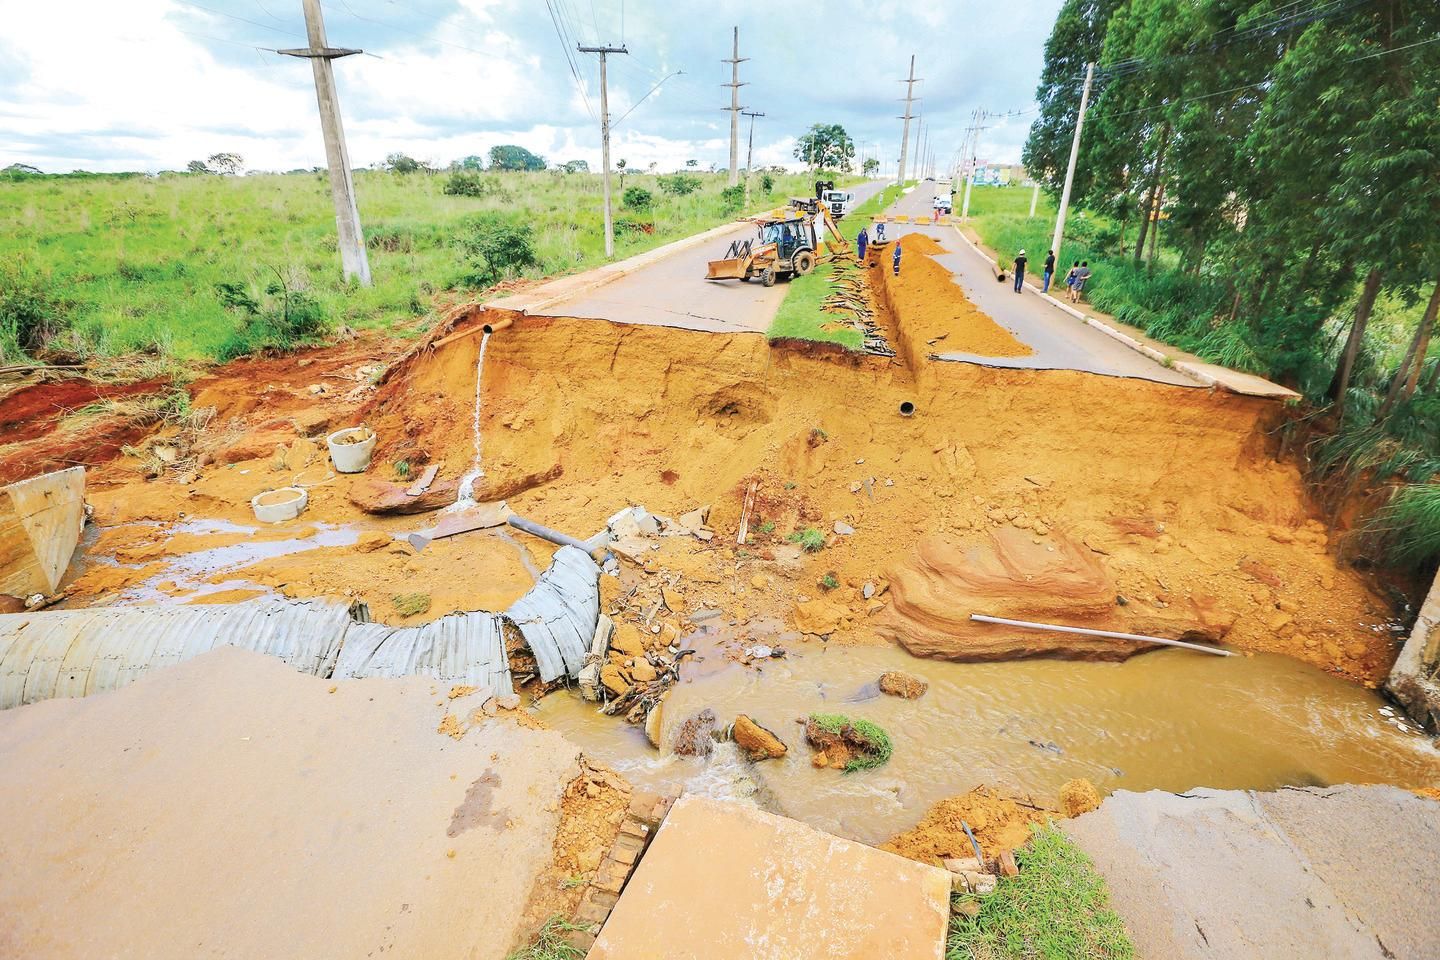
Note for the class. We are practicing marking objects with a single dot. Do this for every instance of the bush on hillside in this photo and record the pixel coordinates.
(680, 184)
(495, 248)
(31, 314)
(733, 197)
(282, 318)
(638, 198)
(471, 183)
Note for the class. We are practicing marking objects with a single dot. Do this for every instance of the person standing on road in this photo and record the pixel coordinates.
(1020, 262)
(896, 258)
(861, 242)
(1049, 271)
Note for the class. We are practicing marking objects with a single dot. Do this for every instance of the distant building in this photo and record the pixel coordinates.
(1000, 174)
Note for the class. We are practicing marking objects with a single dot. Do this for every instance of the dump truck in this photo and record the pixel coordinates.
(786, 244)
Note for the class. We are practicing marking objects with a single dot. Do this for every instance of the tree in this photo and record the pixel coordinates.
(511, 157)
(870, 167)
(226, 163)
(575, 166)
(826, 146)
(620, 166)
(1076, 39)
(680, 184)
(402, 163)
(471, 162)
(197, 166)
(637, 198)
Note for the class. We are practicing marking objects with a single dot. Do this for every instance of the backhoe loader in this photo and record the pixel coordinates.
(785, 245)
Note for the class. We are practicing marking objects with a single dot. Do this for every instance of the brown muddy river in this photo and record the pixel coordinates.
(1169, 720)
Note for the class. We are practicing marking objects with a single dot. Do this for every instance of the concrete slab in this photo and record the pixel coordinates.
(233, 807)
(1342, 872)
(724, 880)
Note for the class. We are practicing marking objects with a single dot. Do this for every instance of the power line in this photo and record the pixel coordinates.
(254, 23)
(565, 47)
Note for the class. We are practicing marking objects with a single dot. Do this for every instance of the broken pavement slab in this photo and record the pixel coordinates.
(233, 802)
(723, 880)
(1338, 872)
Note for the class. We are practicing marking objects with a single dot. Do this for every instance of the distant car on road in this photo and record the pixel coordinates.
(943, 204)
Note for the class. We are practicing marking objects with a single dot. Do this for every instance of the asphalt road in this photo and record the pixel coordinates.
(673, 292)
(1060, 341)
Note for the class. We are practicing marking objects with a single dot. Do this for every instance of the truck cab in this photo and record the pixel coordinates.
(943, 203)
(839, 202)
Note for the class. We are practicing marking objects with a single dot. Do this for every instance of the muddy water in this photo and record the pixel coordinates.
(1169, 720)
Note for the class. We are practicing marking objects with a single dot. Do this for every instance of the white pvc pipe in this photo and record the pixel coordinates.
(1029, 625)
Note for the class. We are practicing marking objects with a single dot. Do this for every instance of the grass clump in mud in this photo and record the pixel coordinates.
(1057, 907)
(411, 604)
(848, 743)
(810, 539)
(550, 943)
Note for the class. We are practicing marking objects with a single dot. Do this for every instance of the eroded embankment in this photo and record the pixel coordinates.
(1135, 505)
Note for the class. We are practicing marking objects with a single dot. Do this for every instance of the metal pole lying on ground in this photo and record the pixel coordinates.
(1085, 631)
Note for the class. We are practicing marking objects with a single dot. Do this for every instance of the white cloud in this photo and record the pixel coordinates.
(150, 84)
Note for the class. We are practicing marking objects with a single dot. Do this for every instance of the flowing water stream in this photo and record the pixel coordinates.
(465, 497)
(1169, 720)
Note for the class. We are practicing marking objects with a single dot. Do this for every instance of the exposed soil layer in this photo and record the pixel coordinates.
(33, 411)
(926, 309)
(999, 823)
(1132, 504)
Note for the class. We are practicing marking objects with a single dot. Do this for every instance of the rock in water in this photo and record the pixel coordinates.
(755, 741)
(614, 680)
(694, 737)
(1078, 796)
(654, 722)
(898, 684)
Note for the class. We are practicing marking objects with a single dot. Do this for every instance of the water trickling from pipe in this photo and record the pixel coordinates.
(477, 468)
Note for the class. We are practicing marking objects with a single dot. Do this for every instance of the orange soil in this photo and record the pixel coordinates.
(936, 314)
(1172, 494)
(999, 823)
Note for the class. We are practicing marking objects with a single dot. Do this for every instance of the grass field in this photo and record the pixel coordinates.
(800, 315)
(123, 264)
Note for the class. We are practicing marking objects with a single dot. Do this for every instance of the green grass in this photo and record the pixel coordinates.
(800, 316)
(1056, 909)
(811, 540)
(550, 943)
(1408, 527)
(878, 745)
(131, 263)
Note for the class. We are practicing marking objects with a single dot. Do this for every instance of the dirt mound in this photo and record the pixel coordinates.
(928, 309)
(999, 823)
(1016, 574)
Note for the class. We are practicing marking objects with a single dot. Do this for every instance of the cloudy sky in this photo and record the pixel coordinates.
(151, 84)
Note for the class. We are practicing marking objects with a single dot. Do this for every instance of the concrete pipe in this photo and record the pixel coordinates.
(907, 409)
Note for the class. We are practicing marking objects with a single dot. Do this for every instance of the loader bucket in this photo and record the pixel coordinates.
(731, 269)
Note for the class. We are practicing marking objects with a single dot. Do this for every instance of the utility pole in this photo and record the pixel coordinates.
(1034, 199)
(977, 124)
(351, 240)
(918, 128)
(605, 140)
(1070, 171)
(735, 108)
(905, 135)
(750, 150)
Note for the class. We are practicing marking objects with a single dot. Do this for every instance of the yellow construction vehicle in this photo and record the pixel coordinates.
(786, 244)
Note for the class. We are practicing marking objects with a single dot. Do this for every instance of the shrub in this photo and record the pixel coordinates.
(282, 320)
(733, 198)
(496, 247)
(1408, 527)
(680, 184)
(31, 314)
(638, 198)
(810, 539)
(767, 182)
(471, 183)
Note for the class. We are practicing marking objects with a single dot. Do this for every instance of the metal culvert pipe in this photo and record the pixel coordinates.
(907, 409)
(545, 533)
